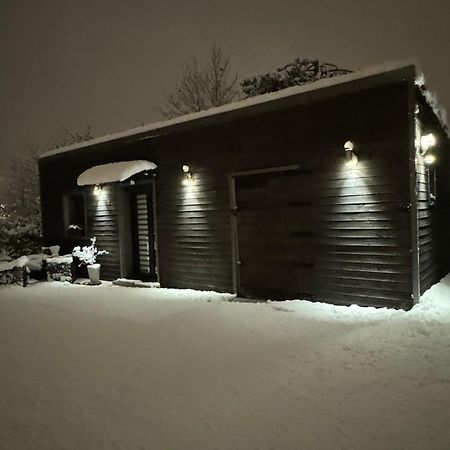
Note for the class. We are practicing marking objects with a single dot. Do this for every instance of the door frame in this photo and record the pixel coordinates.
(126, 231)
(147, 191)
(233, 215)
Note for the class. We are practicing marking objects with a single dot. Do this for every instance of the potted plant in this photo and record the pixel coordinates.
(88, 256)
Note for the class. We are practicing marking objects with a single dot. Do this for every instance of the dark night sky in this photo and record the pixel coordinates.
(70, 63)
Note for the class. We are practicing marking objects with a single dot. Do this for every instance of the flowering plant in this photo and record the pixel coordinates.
(88, 254)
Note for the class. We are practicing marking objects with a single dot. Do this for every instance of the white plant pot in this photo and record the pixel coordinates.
(94, 273)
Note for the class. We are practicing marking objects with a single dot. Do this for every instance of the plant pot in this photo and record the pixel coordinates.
(94, 273)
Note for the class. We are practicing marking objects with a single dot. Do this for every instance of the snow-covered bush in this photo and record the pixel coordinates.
(88, 254)
(19, 234)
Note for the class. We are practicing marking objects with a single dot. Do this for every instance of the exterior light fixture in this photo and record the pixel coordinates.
(187, 174)
(352, 159)
(97, 190)
(429, 159)
(427, 141)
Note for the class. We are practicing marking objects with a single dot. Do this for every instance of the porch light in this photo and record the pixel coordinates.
(429, 159)
(187, 174)
(427, 141)
(97, 190)
(352, 159)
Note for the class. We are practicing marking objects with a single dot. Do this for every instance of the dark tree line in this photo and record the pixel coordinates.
(20, 221)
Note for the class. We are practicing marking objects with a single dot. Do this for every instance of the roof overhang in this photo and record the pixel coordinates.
(113, 172)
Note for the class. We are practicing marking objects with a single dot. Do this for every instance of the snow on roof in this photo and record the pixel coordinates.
(432, 100)
(112, 172)
(260, 99)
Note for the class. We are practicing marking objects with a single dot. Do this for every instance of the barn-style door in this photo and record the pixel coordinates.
(144, 255)
(273, 232)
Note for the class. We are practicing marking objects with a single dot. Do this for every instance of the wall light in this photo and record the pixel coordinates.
(97, 190)
(429, 159)
(352, 159)
(187, 174)
(427, 141)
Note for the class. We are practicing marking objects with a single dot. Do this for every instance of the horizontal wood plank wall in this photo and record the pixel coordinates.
(330, 244)
(428, 264)
(102, 220)
(103, 223)
(434, 217)
(361, 246)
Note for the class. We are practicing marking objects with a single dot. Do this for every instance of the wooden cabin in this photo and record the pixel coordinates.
(325, 192)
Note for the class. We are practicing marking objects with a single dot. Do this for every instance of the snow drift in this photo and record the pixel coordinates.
(121, 368)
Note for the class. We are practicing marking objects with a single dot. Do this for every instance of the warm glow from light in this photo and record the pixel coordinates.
(429, 159)
(352, 161)
(188, 180)
(427, 141)
(97, 190)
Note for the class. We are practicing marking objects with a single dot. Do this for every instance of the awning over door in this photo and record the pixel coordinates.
(113, 172)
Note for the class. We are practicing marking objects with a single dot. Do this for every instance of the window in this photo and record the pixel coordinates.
(75, 214)
(431, 185)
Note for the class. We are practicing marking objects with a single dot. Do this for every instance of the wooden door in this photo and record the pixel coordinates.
(274, 236)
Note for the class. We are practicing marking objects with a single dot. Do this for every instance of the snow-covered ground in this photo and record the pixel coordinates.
(125, 368)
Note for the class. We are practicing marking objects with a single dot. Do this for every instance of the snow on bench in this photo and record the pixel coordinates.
(59, 268)
(14, 272)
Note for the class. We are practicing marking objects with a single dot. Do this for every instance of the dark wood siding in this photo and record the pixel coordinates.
(433, 217)
(339, 235)
(102, 218)
(362, 232)
(103, 224)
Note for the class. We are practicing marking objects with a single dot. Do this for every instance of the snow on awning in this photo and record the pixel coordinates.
(113, 172)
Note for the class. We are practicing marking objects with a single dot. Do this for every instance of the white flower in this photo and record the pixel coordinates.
(88, 254)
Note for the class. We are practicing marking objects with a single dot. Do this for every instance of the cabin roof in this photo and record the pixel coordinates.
(371, 76)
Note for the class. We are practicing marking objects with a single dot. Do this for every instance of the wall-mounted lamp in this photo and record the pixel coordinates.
(187, 174)
(429, 159)
(352, 159)
(97, 190)
(427, 141)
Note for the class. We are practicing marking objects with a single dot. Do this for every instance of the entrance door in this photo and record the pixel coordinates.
(274, 234)
(142, 211)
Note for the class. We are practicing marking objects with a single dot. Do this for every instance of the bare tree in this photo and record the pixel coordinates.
(23, 182)
(73, 137)
(200, 87)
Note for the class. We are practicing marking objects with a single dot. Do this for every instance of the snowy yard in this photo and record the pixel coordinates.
(127, 368)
